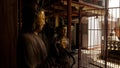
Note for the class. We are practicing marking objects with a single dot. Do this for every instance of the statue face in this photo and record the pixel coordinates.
(41, 20)
(64, 31)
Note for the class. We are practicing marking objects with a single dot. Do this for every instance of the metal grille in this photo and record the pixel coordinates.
(93, 49)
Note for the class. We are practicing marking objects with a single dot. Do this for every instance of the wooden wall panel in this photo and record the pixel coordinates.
(8, 33)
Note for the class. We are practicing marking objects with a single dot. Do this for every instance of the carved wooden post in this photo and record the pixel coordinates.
(69, 18)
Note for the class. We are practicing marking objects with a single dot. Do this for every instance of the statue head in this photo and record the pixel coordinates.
(33, 21)
(39, 21)
(62, 30)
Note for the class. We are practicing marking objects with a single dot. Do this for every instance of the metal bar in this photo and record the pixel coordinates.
(95, 65)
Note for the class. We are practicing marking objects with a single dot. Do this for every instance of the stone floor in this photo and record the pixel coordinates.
(90, 59)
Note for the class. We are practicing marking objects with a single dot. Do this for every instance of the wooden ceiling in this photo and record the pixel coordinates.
(59, 7)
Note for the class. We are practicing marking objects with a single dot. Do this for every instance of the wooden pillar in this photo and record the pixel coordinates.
(106, 32)
(80, 37)
(69, 18)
